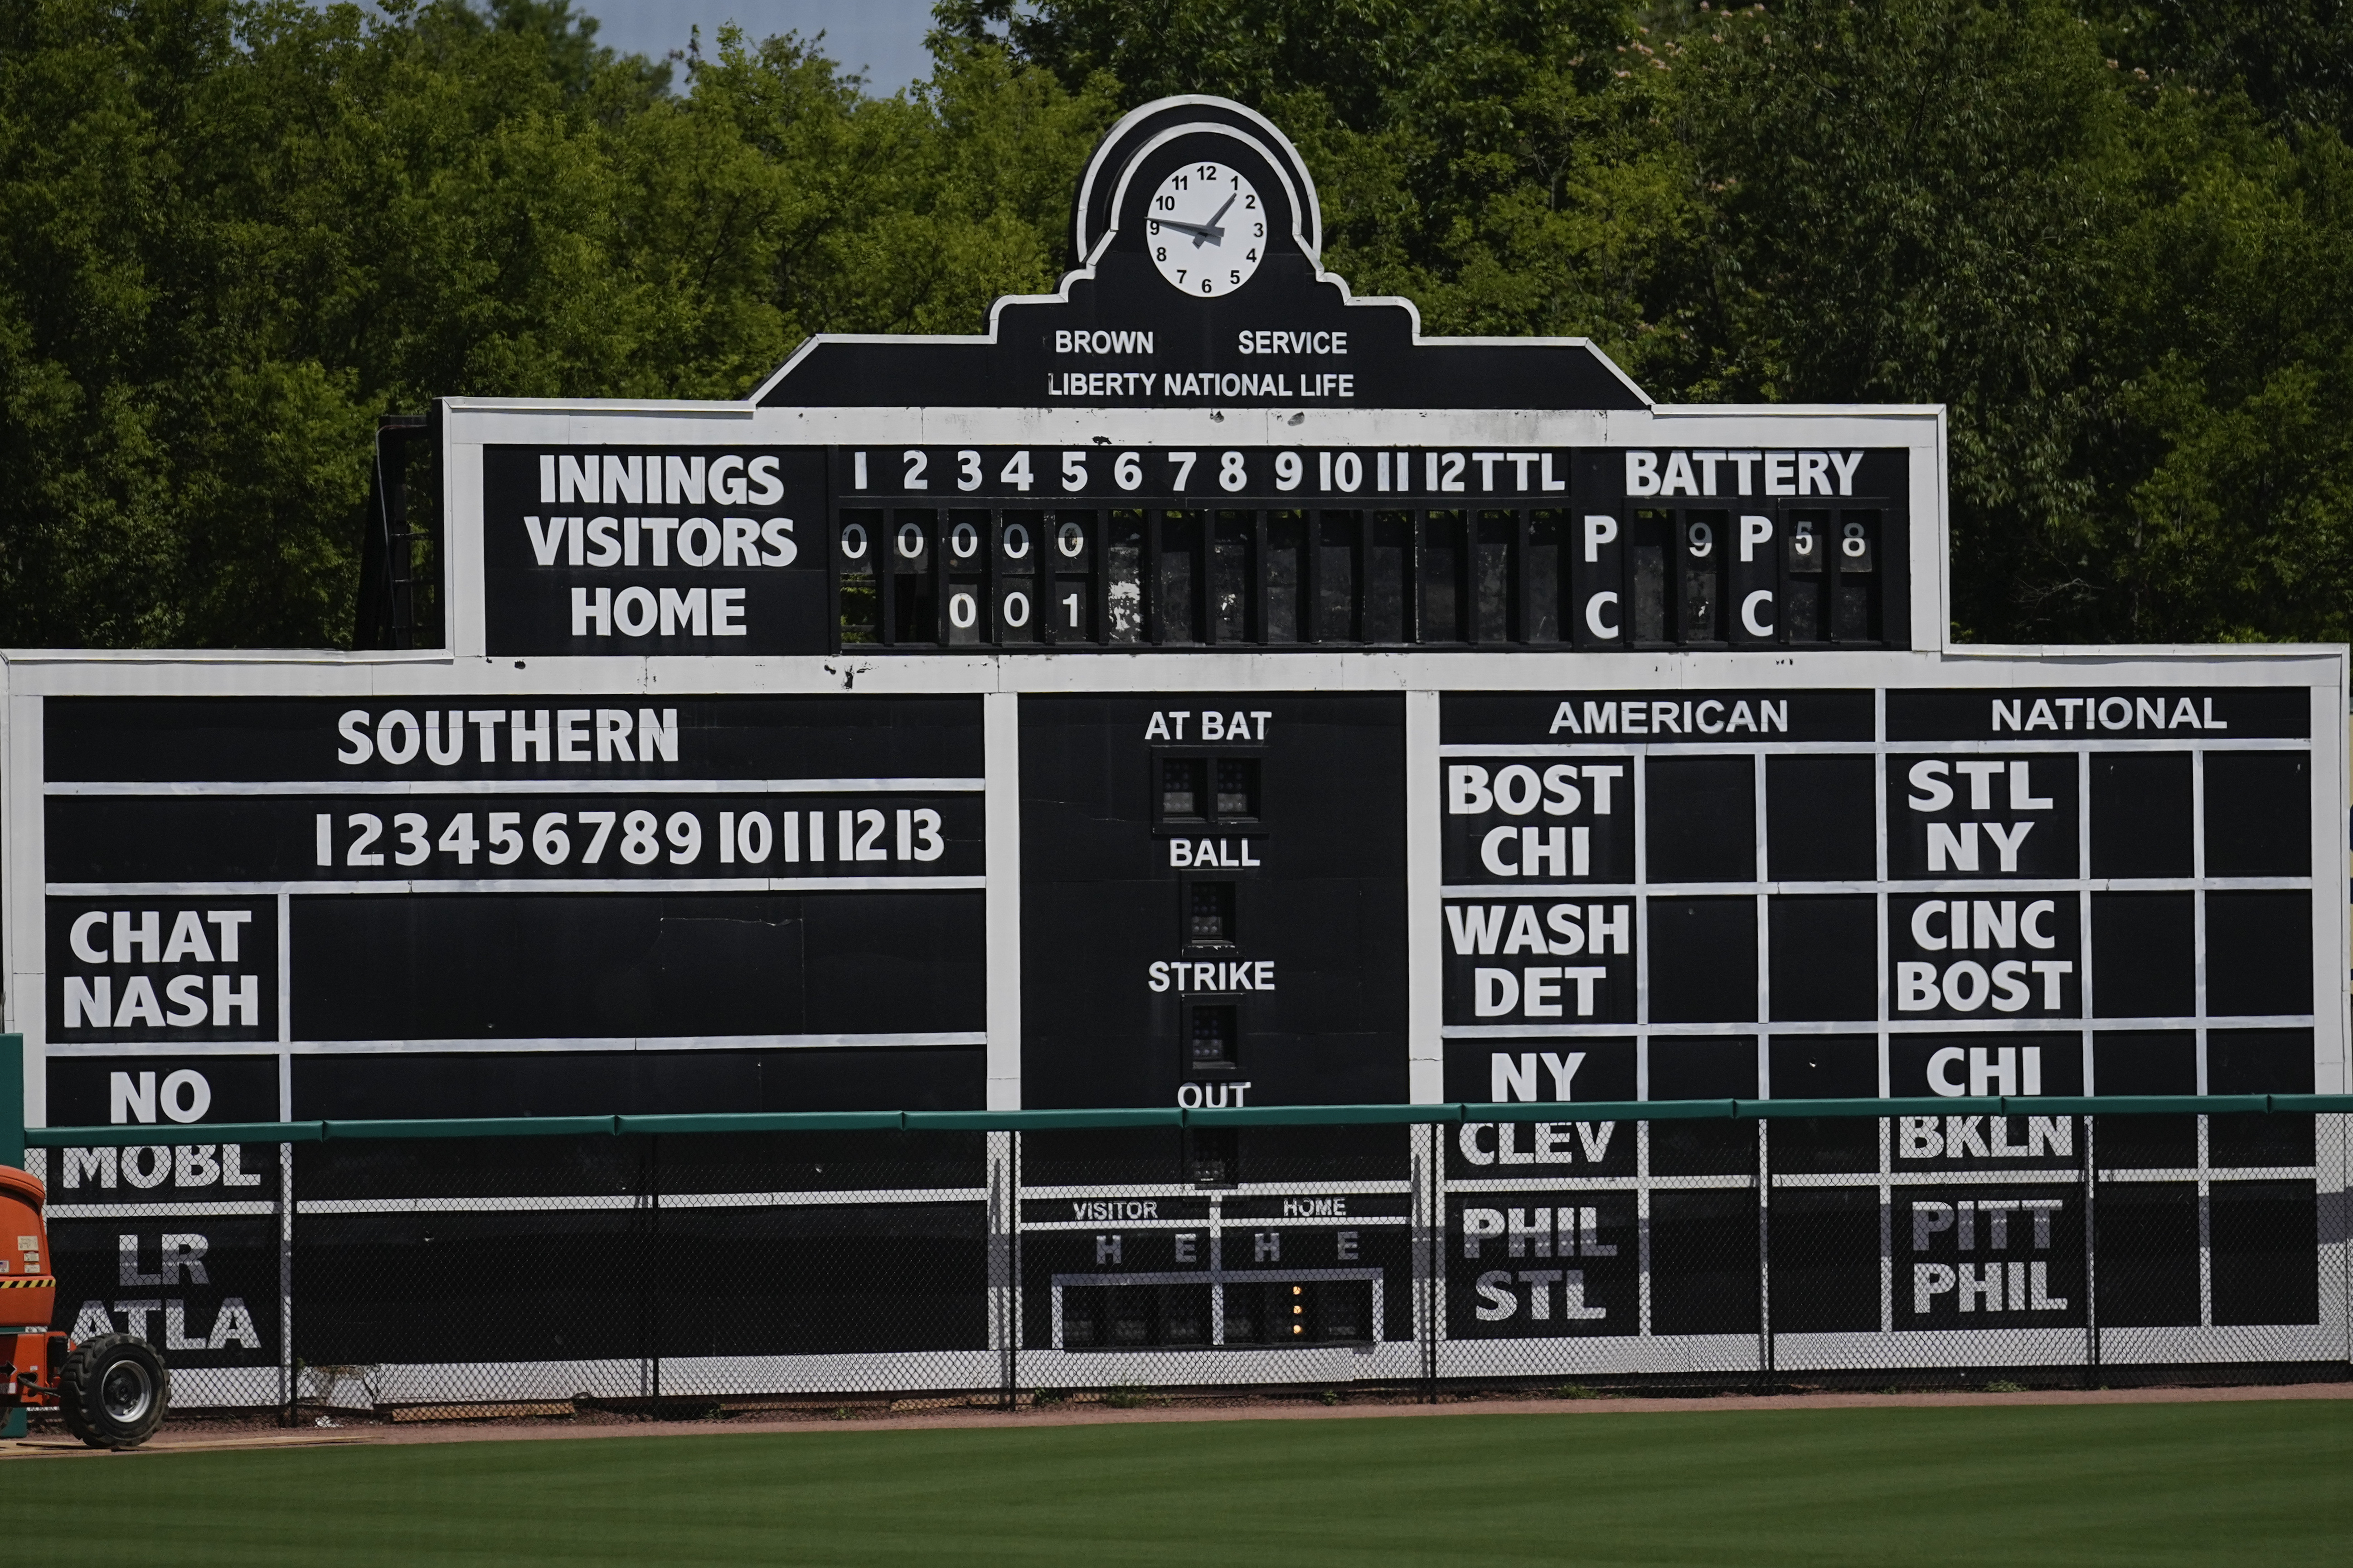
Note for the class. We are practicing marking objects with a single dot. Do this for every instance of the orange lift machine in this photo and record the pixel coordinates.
(111, 1390)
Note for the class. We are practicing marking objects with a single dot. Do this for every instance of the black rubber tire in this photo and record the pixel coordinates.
(115, 1389)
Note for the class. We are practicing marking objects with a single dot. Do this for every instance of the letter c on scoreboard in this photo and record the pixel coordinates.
(1950, 1056)
(1490, 849)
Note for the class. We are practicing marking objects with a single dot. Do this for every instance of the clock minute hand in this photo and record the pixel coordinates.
(1200, 231)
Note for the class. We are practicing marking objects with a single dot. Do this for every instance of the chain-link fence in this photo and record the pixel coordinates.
(692, 1263)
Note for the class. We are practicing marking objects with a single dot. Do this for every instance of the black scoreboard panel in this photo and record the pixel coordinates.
(555, 904)
(531, 904)
(515, 905)
(1213, 914)
(688, 550)
(1213, 899)
(1850, 893)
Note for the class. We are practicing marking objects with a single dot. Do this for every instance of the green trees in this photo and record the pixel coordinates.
(2116, 238)
(232, 235)
(2129, 288)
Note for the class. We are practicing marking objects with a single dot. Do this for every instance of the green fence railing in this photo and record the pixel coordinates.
(1243, 1115)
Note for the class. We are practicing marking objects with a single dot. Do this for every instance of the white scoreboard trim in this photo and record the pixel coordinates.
(470, 423)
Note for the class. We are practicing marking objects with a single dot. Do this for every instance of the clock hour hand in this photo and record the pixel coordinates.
(1214, 235)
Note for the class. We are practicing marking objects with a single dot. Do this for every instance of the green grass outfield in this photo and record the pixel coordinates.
(2267, 1483)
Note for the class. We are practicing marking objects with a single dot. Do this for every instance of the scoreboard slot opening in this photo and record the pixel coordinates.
(1212, 1033)
(1495, 579)
(1135, 1317)
(1209, 913)
(1254, 1312)
(1234, 579)
(1856, 604)
(1288, 609)
(1700, 541)
(1807, 546)
(911, 611)
(1268, 1311)
(1647, 589)
(1173, 611)
(1441, 575)
(1198, 792)
(1212, 1157)
(1337, 565)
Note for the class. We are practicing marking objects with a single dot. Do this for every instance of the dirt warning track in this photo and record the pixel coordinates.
(353, 1430)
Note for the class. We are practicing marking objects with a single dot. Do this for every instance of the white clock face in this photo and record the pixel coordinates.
(1207, 229)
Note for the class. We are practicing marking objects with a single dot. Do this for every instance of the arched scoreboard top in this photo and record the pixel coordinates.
(1170, 303)
(1156, 125)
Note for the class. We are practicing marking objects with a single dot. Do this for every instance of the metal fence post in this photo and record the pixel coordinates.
(1432, 1255)
(2090, 1254)
(290, 1372)
(1764, 1256)
(652, 1169)
(1005, 1258)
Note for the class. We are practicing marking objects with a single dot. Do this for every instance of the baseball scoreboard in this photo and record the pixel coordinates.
(1204, 689)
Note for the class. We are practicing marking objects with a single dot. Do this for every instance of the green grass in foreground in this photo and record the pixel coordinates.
(2139, 1485)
